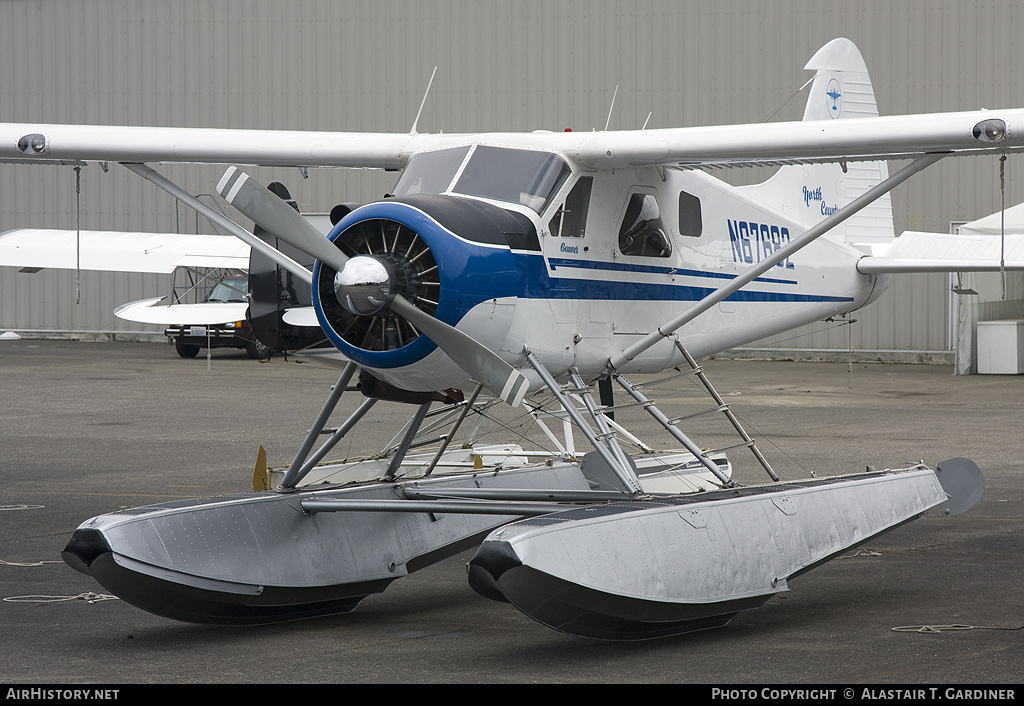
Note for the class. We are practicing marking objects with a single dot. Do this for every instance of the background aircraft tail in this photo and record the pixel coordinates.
(808, 192)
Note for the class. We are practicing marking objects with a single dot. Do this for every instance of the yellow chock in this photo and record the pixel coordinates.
(261, 474)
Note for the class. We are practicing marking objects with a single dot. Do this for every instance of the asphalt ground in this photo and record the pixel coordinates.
(87, 428)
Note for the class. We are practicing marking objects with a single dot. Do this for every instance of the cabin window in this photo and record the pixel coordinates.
(690, 223)
(430, 172)
(570, 221)
(642, 232)
(525, 177)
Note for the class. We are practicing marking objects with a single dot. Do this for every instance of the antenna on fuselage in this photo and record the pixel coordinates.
(416, 122)
(611, 108)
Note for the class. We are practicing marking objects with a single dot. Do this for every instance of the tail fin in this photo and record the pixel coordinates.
(809, 192)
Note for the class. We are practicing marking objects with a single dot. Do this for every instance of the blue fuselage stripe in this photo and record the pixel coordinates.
(538, 284)
(555, 263)
(589, 289)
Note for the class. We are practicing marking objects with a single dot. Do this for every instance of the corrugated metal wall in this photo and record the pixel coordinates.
(536, 64)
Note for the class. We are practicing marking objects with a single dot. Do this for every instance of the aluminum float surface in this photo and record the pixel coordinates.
(667, 566)
(258, 557)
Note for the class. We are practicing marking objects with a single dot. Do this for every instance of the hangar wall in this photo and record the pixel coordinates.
(363, 65)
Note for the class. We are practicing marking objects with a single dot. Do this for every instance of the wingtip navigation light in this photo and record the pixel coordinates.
(993, 130)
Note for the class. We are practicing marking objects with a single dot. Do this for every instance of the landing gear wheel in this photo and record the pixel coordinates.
(185, 350)
(257, 350)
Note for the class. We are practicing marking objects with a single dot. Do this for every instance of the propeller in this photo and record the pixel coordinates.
(275, 216)
(365, 285)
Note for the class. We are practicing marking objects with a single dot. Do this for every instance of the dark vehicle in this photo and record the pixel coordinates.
(189, 339)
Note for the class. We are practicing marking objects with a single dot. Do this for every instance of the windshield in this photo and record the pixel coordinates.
(230, 290)
(514, 176)
(430, 172)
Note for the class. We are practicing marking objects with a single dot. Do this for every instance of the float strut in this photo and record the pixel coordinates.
(340, 432)
(451, 433)
(671, 428)
(318, 425)
(403, 447)
(629, 480)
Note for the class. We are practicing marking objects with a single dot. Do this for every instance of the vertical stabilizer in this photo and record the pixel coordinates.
(809, 192)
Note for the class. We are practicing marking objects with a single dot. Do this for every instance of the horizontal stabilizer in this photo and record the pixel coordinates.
(114, 251)
(938, 252)
(301, 316)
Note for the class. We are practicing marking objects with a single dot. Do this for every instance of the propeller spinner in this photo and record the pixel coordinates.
(367, 285)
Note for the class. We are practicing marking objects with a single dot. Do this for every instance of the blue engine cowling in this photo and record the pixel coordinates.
(449, 255)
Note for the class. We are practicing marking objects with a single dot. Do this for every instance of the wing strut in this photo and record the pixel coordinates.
(617, 361)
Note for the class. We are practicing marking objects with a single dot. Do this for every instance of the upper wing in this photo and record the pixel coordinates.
(695, 147)
(118, 251)
(841, 89)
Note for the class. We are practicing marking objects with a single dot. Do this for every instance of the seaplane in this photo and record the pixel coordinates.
(542, 271)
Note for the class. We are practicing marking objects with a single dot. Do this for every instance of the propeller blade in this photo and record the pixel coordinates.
(276, 217)
(476, 359)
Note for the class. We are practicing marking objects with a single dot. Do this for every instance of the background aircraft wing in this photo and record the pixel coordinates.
(119, 251)
(146, 311)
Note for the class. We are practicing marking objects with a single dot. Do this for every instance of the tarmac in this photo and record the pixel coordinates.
(87, 428)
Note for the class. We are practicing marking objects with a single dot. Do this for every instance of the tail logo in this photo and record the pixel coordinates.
(833, 99)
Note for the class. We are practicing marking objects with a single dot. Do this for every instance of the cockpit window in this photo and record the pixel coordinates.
(570, 221)
(229, 290)
(430, 172)
(642, 231)
(514, 176)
